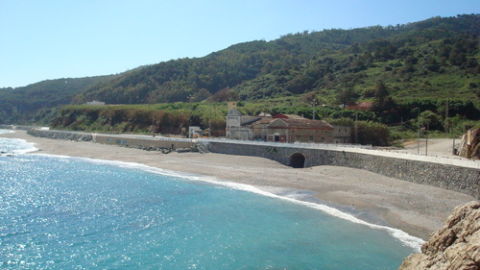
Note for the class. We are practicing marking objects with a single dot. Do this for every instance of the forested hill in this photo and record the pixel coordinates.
(22, 103)
(438, 57)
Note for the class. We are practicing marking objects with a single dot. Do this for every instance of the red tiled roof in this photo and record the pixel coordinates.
(362, 106)
(288, 116)
(307, 123)
(296, 123)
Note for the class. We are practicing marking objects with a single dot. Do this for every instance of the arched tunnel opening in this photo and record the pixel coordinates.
(297, 160)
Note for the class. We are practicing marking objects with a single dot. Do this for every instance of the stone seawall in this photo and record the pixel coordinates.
(133, 141)
(451, 177)
(142, 143)
(63, 135)
(20, 127)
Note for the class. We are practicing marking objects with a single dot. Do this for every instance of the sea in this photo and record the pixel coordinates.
(59, 212)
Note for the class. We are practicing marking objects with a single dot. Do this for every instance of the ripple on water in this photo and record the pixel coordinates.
(82, 215)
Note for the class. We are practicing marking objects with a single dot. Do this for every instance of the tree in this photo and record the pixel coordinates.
(381, 92)
(477, 93)
(346, 96)
(200, 95)
(429, 120)
(432, 64)
(384, 106)
(225, 94)
(373, 133)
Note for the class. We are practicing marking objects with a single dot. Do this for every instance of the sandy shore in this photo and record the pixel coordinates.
(416, 209)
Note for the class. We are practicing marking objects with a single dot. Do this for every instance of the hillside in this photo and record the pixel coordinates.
(438, 57)
(22, 103)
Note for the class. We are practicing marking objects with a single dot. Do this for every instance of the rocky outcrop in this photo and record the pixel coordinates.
(456, 246)
(470, 144)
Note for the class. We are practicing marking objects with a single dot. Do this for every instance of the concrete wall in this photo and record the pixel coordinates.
(20, 127)
(59, 134)
(142, 143)
(451, 177)
(145, 142)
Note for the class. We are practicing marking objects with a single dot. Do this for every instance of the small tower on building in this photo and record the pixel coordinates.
(234, 119)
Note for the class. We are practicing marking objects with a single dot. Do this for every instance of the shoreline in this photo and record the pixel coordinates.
(407, 239)
(410, 207)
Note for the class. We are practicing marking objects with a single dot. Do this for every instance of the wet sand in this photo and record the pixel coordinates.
(416, 209)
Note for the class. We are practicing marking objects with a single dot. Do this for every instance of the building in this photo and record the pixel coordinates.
(237, 124)
(291, 130)
(95, 102)
(342, 134)
(194, 132)
(282, 128)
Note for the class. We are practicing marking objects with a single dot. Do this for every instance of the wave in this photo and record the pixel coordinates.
(405, 238)
(6, 131)
(14, 146)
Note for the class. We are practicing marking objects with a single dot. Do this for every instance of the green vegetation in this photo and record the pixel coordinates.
(172, 118)
(436, 58)
(35, 102)
(418, 75)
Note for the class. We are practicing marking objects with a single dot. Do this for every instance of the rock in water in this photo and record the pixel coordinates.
(456, 246)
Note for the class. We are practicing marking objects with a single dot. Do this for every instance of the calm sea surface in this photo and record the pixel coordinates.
(68, 213)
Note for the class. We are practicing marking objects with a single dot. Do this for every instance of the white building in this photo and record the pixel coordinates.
(95, 102)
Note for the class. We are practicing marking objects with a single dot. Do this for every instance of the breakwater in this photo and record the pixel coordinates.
(457, 175)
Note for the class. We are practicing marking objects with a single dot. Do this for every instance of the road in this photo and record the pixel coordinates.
(436, 147)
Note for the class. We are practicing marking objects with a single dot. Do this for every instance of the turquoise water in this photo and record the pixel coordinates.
(68, 213)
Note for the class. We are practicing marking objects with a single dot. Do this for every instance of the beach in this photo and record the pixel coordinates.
(416, 209)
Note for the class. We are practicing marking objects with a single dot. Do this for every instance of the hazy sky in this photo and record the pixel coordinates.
(52, 39)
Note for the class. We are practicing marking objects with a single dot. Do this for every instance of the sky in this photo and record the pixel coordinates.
(53, 39)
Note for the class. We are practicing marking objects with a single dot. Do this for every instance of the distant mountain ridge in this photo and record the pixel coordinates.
(409, 57)
(21, 104)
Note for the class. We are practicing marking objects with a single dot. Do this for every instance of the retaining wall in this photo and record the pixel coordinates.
(132, 141)
(63, 135)
(451, 177)
(20, 127)
(142, 143)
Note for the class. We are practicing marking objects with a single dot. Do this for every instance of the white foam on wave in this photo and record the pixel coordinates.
(405, 238)
(6, 131)
(25, 147)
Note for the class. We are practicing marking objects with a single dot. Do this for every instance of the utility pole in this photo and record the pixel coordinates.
(209, 128)
(449, 129)
(426, 141)
(453, 146)
(356, 127)
(418, 141)
(446, 117)
(314, 106)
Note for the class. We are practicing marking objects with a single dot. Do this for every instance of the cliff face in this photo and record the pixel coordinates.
(454, 247)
